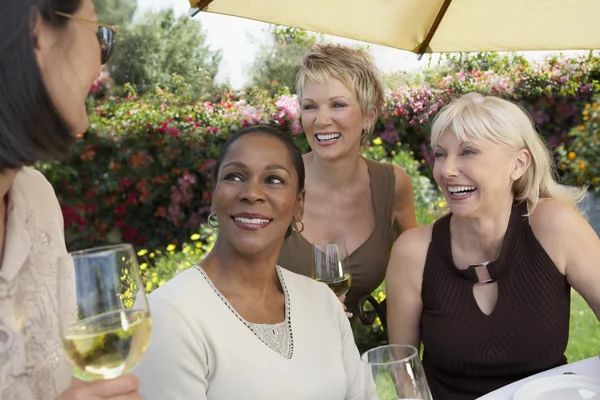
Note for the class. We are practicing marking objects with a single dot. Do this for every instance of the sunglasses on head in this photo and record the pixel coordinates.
(106, 34)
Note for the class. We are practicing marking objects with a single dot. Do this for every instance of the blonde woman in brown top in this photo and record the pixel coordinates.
(362, 202)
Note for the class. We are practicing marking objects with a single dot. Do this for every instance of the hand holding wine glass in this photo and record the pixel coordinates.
(109, 331)
(330, 266)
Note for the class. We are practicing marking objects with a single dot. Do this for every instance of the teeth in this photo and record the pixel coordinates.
(455, 189)
(254, 221)
(328, 136)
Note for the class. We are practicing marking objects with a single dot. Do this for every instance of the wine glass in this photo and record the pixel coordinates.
(397, 372)
(330, 266)
(105, 321)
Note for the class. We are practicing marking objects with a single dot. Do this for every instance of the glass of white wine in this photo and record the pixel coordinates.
(330, 266)
(105, 322)
(397, 372)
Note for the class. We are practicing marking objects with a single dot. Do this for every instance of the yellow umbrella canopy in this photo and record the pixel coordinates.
(424, 26)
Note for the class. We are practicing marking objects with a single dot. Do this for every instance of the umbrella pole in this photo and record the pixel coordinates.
(423, 47)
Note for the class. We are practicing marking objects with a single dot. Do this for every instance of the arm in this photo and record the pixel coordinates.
(404, 201)
(175, 366)
(573, 245)
(403, 286)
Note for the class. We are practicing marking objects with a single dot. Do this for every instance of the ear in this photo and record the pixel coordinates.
(370, 119)
(299, 211)
(43, 37)
(521, 162)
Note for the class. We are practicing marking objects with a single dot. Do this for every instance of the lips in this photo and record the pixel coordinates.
(251, 222)
(460, 192)
(326, 138)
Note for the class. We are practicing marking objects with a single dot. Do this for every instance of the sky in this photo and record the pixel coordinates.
(239, 40)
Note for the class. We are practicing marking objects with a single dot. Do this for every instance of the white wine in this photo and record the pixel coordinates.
(110, 344)
(340, 286)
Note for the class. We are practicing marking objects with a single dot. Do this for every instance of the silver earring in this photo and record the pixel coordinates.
(212, 220)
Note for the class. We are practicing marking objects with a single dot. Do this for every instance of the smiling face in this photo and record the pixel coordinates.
(475, 175)
(332, 119)
(256, 196)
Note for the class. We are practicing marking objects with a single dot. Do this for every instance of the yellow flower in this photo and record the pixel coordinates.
(571, 155)
(162, 282)
(142, 252)
(171, 247)
(195, 236)
(377, 141)
(143, 266)
(198, 245)
(581, 128)
(582, 164)
(151, 255)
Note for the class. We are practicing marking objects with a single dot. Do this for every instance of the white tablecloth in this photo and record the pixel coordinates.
(590, 366)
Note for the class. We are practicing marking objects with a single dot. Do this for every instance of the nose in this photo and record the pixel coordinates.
(252, 192)
(323, 118)
(449, 167)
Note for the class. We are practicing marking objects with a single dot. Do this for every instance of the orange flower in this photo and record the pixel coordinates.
(138, 159)
(571, 155)
(161, 211)
(581, 128)
(582, 164)
(88, 155)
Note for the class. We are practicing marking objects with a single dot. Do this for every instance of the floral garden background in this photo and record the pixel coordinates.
(143, 171)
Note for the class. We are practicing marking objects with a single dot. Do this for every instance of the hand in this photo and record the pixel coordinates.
(122, 388)
(342, 299)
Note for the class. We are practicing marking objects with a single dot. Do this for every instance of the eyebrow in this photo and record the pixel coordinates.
(330, 99)
(270, 167)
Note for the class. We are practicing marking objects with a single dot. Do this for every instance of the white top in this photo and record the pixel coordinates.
(589, 366)
(201, 349)
(32, 363)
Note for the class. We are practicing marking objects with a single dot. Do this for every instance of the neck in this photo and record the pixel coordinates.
(6, 180)
(482, 235)
(241, 274)
(332, 173)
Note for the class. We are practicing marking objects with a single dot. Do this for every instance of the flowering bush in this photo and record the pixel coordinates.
(578, 160)
(143, 171)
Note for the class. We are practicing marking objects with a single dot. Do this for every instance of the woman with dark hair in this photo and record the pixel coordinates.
(238, 326)
(50, 54)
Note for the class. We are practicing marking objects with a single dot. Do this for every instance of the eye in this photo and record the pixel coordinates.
(467, 152)
(338, 105)
(234, 177)
(308, 107)
(439, 154)
(274, 180)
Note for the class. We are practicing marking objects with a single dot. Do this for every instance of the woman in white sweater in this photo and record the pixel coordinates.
(238, 326)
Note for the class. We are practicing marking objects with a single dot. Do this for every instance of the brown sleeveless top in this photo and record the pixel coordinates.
(467, 353)
(369, 261)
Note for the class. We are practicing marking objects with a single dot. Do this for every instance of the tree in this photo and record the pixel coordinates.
(115, 12)
(279, 60)
(150, 52)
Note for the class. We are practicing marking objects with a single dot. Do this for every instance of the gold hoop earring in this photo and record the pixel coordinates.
(212, 220)
(295, 228)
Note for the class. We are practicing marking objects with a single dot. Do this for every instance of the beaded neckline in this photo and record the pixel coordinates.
(277, 337)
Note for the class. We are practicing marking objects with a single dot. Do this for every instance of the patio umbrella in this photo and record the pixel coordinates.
(424, 26)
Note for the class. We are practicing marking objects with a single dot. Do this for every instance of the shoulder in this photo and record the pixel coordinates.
(413, 241)
(29, 181)
(553, 217)
(183, 293)
(410, 250)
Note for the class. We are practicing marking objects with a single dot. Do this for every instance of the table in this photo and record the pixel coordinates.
(589, 366)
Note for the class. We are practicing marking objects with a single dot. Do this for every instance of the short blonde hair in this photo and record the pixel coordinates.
(500, 121)
(354, 68)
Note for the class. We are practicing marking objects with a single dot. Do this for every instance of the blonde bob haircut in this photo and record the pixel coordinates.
(474, 116)
(354, 68)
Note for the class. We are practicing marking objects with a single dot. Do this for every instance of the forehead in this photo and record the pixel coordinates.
(329, 87)
(259, 150)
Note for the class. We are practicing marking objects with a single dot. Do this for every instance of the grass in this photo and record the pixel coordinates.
(584, 331)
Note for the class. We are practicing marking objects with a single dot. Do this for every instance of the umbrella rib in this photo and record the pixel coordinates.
(201, 4)
(422, 48)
